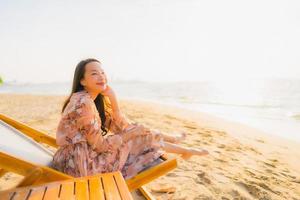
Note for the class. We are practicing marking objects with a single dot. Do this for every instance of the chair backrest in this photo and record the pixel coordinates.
(15, 143)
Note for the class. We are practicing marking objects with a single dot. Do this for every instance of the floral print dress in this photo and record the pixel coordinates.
(129, 147)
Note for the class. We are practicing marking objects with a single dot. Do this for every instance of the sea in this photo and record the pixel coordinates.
(271, 105)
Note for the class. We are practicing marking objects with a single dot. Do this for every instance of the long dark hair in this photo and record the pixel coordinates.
(76, 87)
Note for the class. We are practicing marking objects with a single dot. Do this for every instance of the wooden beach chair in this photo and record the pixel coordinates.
(34, 162)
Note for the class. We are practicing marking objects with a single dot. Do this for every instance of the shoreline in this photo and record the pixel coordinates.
(181, 109)
(243, 163)
(284, 127)
(213, 116)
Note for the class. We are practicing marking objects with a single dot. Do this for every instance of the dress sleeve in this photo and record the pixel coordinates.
(89, 127)
(117, 125)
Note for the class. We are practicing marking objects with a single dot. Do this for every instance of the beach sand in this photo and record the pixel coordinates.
(243, 163)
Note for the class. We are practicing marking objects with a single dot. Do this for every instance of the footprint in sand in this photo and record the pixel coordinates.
(288, 175)
(238, 195)
(203, 197)
(233, 148)
(190, 127)
(202, 178)
(172, 174)
(221, 133)
(269, 164)
(163, 188)
(260, 140)
(253, 190)
(167, 122)
(221, 146)
(234, 159)
(220, 160)
(252, 174)
(198, 141)
(286, 170)
(296, 181)
(225, 198)
(171, 117)
(270, 171)
(204, 134)
(266, 187)
(273, 160)
(265, 178)
(253, 150)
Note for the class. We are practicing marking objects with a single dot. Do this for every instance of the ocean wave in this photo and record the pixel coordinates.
(261, 106)
(257, 106)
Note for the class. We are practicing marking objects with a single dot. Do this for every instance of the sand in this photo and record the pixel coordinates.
(243, 163)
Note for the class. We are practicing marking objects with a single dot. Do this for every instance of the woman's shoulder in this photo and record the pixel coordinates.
(78, 101)
(81, 97)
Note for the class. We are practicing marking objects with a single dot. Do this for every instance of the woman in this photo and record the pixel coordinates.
(90, 112)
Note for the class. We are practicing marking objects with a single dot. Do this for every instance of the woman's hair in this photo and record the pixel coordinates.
(76, 87)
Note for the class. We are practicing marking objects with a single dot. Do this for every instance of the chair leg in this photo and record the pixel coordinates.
(2, 172)
(146, 193)
(151, 174)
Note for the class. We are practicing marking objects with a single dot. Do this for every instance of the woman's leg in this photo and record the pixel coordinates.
(185, 152)
(173, 138)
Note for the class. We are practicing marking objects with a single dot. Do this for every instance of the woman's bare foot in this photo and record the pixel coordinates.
(193, 152)
(179, 138)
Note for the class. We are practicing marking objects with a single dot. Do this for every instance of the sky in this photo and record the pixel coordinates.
(150, 40)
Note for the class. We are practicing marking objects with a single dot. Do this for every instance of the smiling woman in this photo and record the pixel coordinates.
(89, 113)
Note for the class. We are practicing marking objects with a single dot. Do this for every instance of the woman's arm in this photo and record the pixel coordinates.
(88, 126)
(112, 98)
(117, 115)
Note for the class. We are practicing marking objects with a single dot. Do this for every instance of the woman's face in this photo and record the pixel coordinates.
(94, 79)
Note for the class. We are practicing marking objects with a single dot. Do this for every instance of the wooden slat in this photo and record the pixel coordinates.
(81, 189)
(146, 193)
(37, 135)
(110, 187)
(52, 192)
(151, 174)
(6, 195)
(67, 190)
(37, 193)
(96, 189)
(122, 187)
(21, 194)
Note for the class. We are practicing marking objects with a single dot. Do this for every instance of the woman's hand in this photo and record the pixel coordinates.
(108, 91)
(120, 119)
(117, 116)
